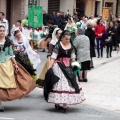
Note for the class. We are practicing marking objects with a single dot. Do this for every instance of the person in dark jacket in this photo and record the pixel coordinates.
(45, 18)
(91, 35)
(110, 33)
(118, 33)
(57, 20)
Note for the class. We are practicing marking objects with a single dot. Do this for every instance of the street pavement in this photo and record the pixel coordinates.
(102, 92)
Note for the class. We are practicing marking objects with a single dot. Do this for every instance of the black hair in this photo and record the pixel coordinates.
(57, 31)
(98, 21)
(7, 43)
(17, 31)
(2, 26)
(66, 32)
(2, 13)
(19, 21)
(69, 18)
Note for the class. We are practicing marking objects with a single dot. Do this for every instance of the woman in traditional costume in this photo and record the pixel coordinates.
(71, 26)
(55, 36)
(15, 81)
(66, 89)
(24, 54)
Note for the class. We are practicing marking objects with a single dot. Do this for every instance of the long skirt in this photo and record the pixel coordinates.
(18, 84)
(62, 92)
(42, 75)
(23, 59)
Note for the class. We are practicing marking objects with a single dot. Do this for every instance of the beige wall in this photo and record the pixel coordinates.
(18, 10)
(100, 7)
(44, 3)
(3, 6)
(118, 11)
(89, 7)
(67, 5)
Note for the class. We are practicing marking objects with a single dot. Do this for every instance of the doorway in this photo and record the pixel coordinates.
(97, 8)
(80, 7)
(109, 4)
(53, 6)
(8, 12)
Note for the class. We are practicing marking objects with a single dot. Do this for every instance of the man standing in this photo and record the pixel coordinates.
(4, 22)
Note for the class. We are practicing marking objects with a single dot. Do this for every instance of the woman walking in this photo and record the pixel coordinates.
(70, 26)
(55, 37)
(15, 81)
(24, 54)
(66, 89)
(82, 44)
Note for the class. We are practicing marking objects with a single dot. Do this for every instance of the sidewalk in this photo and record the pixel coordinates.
(103, 87)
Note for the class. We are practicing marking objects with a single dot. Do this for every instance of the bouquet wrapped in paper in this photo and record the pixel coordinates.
(76, 67)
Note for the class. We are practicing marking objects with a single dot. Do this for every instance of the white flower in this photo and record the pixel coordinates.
(76, 63)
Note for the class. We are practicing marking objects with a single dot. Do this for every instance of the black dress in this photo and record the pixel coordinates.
(90, 33)
(112, 29)
(67, 90)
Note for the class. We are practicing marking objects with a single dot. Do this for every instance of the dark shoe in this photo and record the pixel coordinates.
(2, 109)
(98, 57)
(57, 106)
(40, 83)
(91, 67)
(64, 110)
(107, 56)
(43, 50)
(77, 90)
(110, 55)
(80, 80)
(85, 80)
(114, 49)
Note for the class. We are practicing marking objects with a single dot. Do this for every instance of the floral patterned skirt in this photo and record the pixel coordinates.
(62, 92)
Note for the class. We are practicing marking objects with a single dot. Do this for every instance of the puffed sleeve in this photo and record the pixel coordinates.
(10, 51)
(55, 52)
(73, 56)
(50, 49)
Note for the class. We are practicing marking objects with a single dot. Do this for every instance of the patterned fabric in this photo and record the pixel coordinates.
(62, 92)
(82, 44)
(59, 52)
(23, 59)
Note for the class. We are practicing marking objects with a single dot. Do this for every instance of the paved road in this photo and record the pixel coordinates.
(33, 107)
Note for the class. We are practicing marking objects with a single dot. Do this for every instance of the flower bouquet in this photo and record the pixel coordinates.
(78, 24)
(76, 67)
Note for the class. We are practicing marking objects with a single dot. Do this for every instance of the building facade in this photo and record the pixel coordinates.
(14, 9)
(18, 9)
